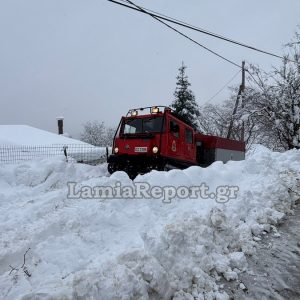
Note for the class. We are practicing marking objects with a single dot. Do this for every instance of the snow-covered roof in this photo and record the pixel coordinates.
(31, 136)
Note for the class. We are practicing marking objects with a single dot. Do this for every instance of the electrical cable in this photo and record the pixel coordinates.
(226, 85)
(192, 27)
(184, 35)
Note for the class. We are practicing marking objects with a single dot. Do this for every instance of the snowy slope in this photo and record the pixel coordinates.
(27, 135)
(20, 143)
(136, 248)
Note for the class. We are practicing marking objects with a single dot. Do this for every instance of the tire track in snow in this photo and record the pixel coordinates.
(275, 269)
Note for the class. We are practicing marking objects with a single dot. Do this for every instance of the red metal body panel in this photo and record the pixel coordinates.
(169, 145)
(213, 142)
(176, 146)
(127, 145)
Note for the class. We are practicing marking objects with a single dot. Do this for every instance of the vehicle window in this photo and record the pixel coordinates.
(140, 125)
(188, 136)
(133, 126)
(152, 124)
(174, 128)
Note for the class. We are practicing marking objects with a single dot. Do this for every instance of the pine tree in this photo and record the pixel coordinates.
(185, 105)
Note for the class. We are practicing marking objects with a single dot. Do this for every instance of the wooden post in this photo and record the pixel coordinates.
(241, 90)
(242, 99)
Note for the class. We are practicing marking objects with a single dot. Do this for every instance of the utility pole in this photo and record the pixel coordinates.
(242, 99)
(240, 93)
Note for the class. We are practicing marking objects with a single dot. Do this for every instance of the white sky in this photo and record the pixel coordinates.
(93, 60)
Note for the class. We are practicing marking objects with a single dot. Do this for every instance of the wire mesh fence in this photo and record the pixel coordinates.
(75, 152)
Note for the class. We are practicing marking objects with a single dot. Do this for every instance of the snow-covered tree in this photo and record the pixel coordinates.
(184, 103)
(277, 104)
(214, 119)
(109, 136)
(271, 106)
(97, 134)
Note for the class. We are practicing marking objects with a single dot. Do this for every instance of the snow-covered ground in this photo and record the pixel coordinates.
(136, 248)
(274, 271)
(20, 143)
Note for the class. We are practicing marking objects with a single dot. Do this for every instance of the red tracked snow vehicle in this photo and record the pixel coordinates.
(156, 138)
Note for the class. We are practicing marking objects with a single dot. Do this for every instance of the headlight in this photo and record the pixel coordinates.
(116, 150)
(155, 150)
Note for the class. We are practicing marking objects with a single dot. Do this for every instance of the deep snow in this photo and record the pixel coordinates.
(274, 271)
(20, 135)
(136, 248)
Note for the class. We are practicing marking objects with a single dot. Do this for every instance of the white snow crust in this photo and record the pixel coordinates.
(136, 248)
(20, 135)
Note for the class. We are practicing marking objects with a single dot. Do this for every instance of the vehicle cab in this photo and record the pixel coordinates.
(152, 138)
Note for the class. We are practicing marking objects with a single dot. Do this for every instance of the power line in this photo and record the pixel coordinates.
(255, 81)
(221, 89)
(158, 18)
(179, 32)
(192, 27)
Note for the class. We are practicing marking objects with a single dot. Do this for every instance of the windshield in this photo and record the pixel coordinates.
(142, 125)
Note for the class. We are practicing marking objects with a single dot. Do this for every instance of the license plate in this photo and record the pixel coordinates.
(140, 149)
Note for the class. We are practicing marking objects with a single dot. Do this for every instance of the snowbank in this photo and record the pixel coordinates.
(136, 248)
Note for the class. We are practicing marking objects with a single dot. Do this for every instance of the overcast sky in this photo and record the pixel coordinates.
(93, 60)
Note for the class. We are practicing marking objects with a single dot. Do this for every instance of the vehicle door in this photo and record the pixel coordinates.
(188, 146)
(174, 139)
